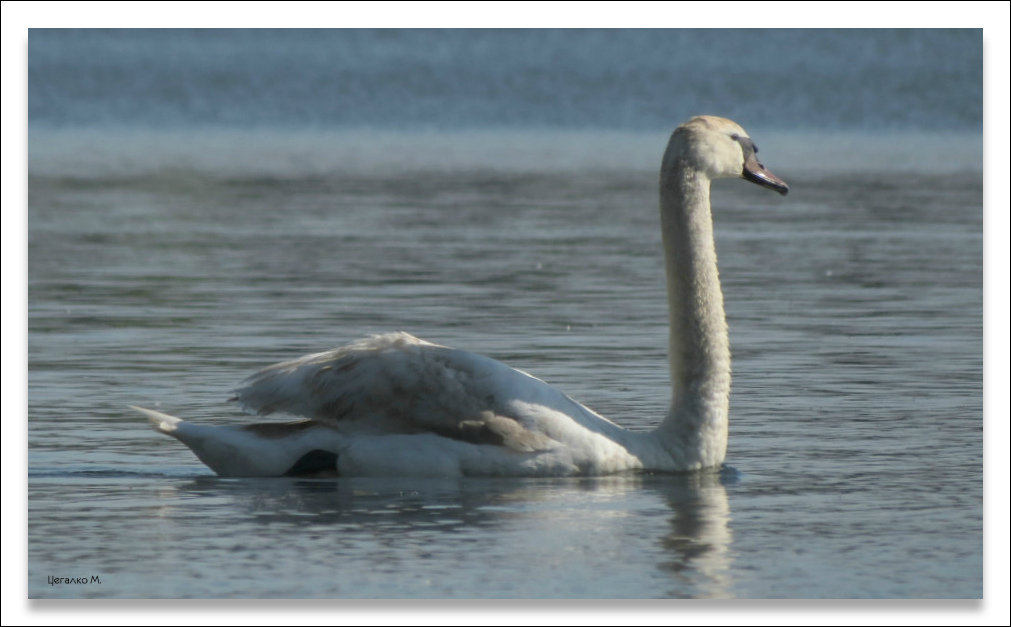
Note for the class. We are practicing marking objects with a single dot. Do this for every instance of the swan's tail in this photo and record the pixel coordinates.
(221, 448)
(163, 423)
(266, 450)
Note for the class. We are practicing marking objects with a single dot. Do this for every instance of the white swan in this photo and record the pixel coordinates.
(397, 405)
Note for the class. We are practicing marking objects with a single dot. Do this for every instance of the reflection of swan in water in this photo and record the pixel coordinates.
(396, 405)
(655, 535)
(697, 549)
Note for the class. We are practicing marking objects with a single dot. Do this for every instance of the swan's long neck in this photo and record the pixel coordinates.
(695, 430)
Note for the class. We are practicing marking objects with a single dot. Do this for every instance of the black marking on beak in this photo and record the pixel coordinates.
(754, 171)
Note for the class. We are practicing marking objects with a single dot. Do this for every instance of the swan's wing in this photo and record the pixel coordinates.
(396, 383)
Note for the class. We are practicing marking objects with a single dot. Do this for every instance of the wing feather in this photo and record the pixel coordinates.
(396, 383)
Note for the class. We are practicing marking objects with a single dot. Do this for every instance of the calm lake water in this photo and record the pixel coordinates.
(167, 262)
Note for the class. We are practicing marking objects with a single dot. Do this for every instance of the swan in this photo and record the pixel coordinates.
(396, 405)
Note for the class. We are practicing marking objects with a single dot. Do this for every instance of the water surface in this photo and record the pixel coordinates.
(856, 425)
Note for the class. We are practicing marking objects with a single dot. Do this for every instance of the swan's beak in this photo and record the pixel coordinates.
(756, 173)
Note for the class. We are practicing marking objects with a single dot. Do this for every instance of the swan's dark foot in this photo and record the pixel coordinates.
(315, 463)
(730, 475)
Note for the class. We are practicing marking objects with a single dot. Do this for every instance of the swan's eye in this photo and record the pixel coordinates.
(735, 137)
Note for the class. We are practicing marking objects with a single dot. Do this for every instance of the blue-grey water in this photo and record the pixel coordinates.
(203, 203)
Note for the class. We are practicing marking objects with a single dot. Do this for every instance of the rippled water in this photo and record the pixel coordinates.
(450, 79)
(855, 308)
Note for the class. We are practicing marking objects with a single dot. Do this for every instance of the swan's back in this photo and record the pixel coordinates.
(398, 384)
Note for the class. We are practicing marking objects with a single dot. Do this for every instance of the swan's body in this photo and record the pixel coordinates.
(397, 405)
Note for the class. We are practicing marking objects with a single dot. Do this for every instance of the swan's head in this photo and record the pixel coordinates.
(722, 149)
